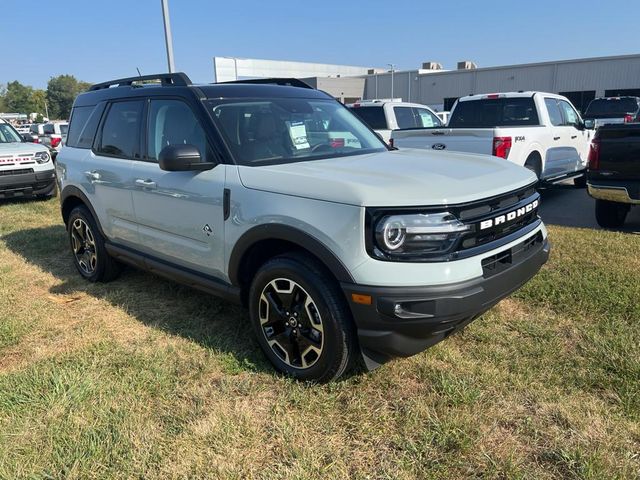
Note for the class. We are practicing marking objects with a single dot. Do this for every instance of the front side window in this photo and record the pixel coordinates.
(172, 122)
(287, 130)
(571, 117)
(554, 112)
(426, 119)
(121, 130)
(8, 134)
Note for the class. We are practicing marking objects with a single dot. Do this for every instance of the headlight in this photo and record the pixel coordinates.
(408, 236)
(42, 157)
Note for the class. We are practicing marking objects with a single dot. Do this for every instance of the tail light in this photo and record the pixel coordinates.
(628, 118)
(55, 142)
(36, 140)
(391, 143)
(501, 146)
(594, 154)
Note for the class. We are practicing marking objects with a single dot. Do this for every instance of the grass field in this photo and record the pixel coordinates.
(142, 378)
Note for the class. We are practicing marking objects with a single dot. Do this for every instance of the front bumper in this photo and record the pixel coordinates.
(27, 184)
(403, 321)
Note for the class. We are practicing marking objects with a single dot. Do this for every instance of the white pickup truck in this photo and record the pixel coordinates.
(540, 131)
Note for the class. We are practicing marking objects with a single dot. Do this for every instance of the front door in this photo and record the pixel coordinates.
(579, 137)
(561, 153)
(179, 214)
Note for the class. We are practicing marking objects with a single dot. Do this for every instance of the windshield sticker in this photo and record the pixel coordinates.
(298, 134)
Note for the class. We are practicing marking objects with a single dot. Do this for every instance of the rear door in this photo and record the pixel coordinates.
(561, 154)
(107, 176)
(180, 215)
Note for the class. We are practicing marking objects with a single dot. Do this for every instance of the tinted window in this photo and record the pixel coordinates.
(64, 129)
(79, 117)
(286, 130)
(499, 112)
(612, 106)
(171, 122)
(570, 115)
(554, 112)
(121, 130)
(426, 119)
(405, 117)
(372, 116)
(34, 129)
(48, 129)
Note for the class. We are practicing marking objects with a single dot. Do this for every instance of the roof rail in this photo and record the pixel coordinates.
(285, 82)
(166, 79)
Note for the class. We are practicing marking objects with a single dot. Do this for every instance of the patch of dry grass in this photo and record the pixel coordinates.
(144, 378)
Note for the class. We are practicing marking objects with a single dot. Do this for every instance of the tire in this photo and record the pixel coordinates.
(301, 319)
(87, 246)
(534, 164)
(611, 214)
(581, 181)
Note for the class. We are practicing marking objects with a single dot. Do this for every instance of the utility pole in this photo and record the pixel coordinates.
(167, 35)
(393, 69)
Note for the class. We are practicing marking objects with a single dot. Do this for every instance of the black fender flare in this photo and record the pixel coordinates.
(272, 231)
(73, 191)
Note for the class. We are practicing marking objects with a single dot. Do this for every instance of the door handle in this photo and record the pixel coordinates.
(146, 183)
(556, 138)
(574, 136)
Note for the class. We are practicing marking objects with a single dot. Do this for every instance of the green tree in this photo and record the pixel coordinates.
(3, 93)
(39, 98)
(61, 92)
(19, 98)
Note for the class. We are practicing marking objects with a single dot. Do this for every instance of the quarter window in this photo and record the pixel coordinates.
(172, 122)
(554, 112)
(121, 130)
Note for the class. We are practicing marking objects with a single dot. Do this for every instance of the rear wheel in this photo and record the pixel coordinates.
(87, 245)
(611, 214)
(301, 319)
(534, 164)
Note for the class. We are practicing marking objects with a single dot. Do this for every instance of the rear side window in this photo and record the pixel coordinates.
(171, 122)
(34, 129)
(48, 129)
(554, 112)
(372, 116)
(64, 129)
(83, 126)
(405, 117)
(498, 112)
(120, 136)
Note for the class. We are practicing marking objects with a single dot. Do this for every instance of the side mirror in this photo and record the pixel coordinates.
(181, 158)
(589, 124)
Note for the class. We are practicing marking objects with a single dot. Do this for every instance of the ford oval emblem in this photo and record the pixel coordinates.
(438, 146)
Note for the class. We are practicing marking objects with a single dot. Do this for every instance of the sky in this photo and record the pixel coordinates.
(101, 40)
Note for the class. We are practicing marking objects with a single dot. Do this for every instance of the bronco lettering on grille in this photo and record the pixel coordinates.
(508, 217)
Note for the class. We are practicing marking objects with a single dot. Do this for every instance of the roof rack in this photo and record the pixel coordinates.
(166, 79)
(285, 82)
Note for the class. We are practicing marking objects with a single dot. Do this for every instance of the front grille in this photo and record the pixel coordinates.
(497, 211)
(497, 263)
(18, 171)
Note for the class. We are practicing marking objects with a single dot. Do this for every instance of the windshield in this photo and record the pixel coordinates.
(612, 106)
(286, 130)
(8, 134)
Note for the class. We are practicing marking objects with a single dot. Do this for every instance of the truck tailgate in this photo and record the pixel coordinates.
(620, 151)
(477, 140)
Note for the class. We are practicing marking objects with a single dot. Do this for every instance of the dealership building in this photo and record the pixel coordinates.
(580, 80)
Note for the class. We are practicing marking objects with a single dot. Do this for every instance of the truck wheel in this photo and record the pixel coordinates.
(301, 319)
(534, 164)
(580, 181)
(87, 245)
(611, 214)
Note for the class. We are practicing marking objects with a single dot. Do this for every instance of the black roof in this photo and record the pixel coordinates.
(179, 85)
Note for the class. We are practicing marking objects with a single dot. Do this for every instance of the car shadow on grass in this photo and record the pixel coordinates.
(213, 323)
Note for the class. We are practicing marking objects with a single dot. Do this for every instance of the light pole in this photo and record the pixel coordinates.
(393, 67)
(167, 35)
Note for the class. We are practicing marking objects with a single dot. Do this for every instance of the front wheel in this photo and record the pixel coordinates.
(301, 319)
(611, 214)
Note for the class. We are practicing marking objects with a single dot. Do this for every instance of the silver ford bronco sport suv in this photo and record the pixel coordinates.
(274, 195)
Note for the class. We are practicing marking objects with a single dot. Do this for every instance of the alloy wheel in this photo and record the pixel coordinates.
(291, 323)
(84, 246)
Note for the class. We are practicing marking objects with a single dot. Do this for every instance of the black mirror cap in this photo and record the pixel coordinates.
(181, 158)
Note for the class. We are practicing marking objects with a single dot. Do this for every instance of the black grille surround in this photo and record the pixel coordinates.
(18, 171)
(479, 238)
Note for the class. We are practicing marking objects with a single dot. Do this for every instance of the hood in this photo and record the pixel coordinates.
(407, 177)
(21, 148)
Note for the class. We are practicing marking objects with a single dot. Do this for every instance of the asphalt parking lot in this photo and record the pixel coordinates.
(568, 206)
